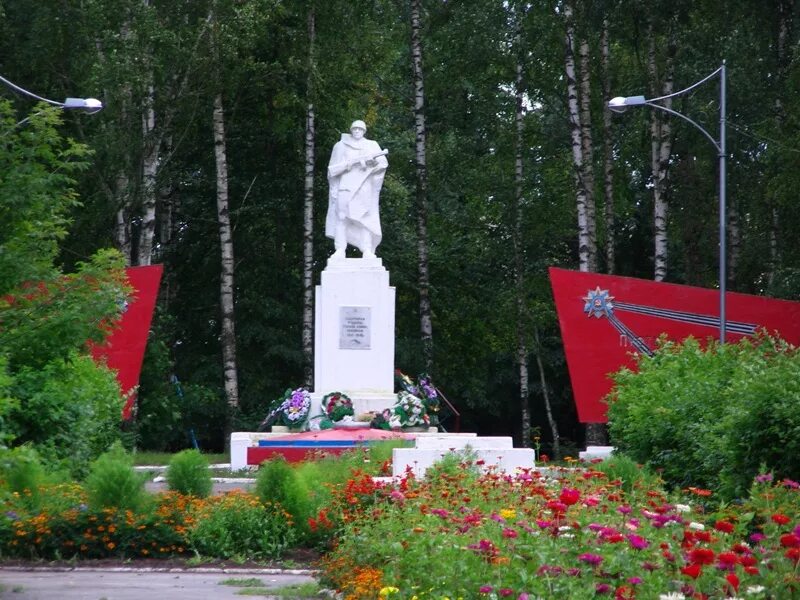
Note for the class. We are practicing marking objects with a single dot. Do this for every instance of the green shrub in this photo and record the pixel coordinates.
(112, 482)
(69, 410)
(765, 429)
(237, 526)
(188, 473)
(709, 418)
(634, 477)
(22, 473)
(278, 482)
(67, 528)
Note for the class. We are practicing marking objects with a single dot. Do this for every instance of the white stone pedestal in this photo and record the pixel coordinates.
(354, 334)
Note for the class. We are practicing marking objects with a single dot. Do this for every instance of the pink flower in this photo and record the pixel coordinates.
(592, 559)
(603, 588)
(509, 533)
(506, 592)
(485, 589)
(637, 541)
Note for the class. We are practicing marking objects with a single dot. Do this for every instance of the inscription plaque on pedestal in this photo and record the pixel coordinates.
(354, 328)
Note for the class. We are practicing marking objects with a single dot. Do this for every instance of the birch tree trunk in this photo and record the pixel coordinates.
(226, 284)
(587, 151)
(519, 259)
(548, 406)
(608, 158)
(584, 236)
(308, 213)
(660, 150)
(587, 251)
(150, 158)
(420, 161)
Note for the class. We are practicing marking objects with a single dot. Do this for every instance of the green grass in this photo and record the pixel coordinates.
(249, 582)
(302, 590)
(163, 458)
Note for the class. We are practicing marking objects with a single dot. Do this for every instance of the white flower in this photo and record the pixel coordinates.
(672, 596)
(683, 508)
(755, 589)
(696, 526)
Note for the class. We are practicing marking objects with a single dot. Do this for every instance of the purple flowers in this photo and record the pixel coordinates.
(637, 541)
(589, 558)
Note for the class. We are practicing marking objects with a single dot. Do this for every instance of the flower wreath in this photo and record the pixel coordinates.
(336, 406)
(292, 410)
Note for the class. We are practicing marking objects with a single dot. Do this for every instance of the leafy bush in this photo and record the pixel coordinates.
(113, 483)
(22, 473)
(188, 474)
(279, 483)
(633, 476)
(763, 430)
(709, 418)
(69, 410)
(67, 527)
(238, 526)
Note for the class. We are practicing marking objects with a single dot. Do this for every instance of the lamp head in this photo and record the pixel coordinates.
(87, 105)
(621, 103)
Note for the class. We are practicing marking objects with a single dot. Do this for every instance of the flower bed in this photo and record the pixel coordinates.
(563, 533)
(575, 534)
(234, 525)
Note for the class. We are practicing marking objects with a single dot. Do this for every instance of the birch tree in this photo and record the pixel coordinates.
(519, 256)
(660, 147)
(420, 162)
(608, 156)
(226, 280)
(308, 209)
(586, 250)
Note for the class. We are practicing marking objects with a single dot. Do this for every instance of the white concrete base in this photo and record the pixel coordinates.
(354, 330)
(445, 441)
(507, 460)
(241, 441)
(592, 452)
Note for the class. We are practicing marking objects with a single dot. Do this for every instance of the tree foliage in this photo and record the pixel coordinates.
(712, 417)
(154, 59)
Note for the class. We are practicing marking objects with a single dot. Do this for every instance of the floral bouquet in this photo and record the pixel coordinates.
(336, 406)
(292, 409)
(410, 411)
(423, 389)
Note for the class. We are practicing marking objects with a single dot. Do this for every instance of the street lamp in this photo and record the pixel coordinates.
(621, 103)
(87, 105)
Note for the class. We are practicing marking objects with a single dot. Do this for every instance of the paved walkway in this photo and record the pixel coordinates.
(137, 584)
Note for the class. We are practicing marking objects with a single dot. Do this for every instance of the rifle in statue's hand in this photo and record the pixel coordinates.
(346, 165)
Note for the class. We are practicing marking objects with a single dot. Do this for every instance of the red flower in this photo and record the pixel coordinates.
(727, 561)
(701, 556)
(790, 540)
(793, 554)
(733, 580)
(624, 592)
(780, 519)
(693, 571)
(750, 570)
(724, 526)
(569, 496)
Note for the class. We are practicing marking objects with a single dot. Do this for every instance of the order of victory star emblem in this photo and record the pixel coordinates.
(598, 303)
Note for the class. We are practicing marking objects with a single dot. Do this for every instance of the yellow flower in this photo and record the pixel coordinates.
(387, 591)
(508, 513)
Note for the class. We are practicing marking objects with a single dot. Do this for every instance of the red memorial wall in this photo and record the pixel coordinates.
(123, 351)
(606, 319)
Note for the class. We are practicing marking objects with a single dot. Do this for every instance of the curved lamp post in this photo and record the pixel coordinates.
(87, 105)
(621, 103)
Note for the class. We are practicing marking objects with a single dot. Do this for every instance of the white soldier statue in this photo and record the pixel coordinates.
(355, 176)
